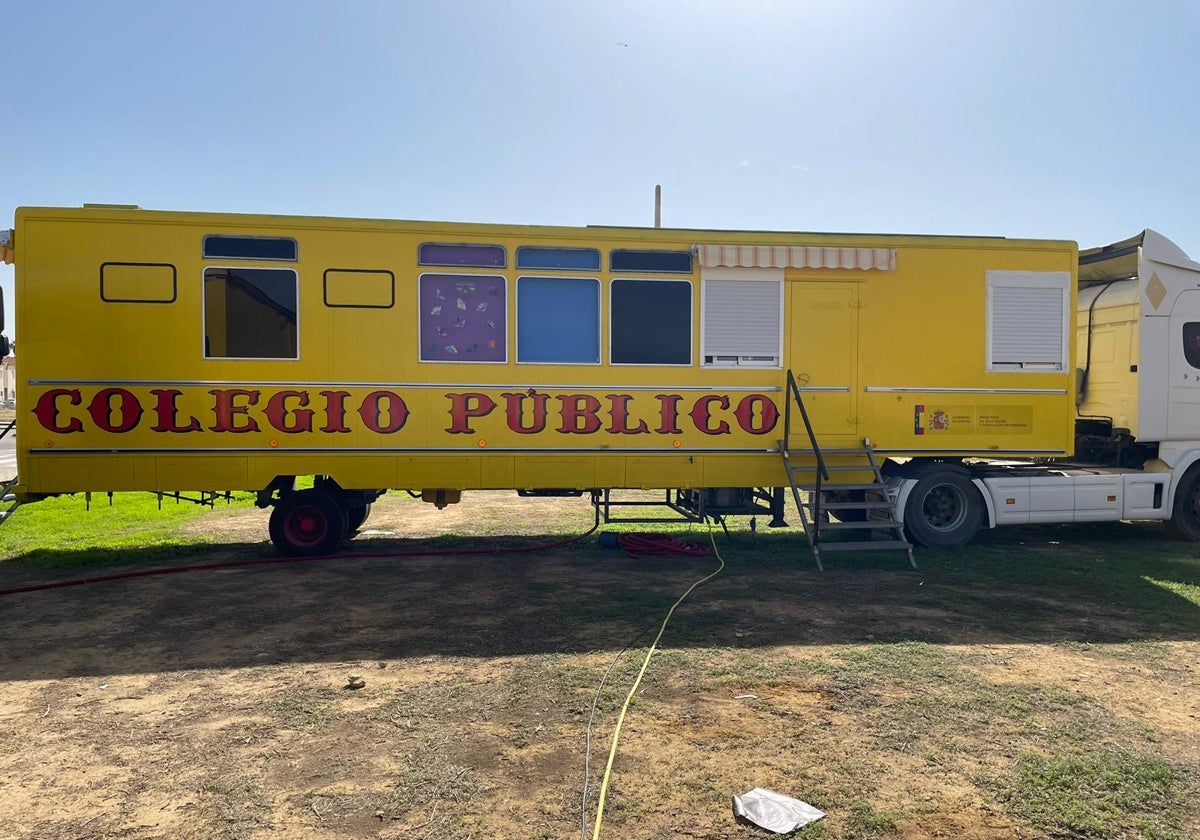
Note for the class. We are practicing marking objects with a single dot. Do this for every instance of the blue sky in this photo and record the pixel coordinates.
(1063, 120)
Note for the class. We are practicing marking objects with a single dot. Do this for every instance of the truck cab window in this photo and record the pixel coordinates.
(1191, 343)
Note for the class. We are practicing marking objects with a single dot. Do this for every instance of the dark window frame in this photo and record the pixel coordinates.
(650, 267)
(174, 282)
(648, 281)
(204, 251)
(204, 314)
(325, 288)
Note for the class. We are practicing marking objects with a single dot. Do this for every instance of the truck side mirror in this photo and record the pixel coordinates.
(4, 346)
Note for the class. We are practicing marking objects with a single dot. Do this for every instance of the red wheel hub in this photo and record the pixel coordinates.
(306, 526)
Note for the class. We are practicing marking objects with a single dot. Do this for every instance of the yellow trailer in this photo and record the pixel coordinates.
(172, 351)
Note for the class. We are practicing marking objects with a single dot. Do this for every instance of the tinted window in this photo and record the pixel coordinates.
(675, 262)
(477, 256)
(249, 248)
(583, 259)
(1191, 343)
(249, 313)
(651, 322)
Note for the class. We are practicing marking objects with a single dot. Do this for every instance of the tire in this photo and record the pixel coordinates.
(848, 514)
(356, 516)
(1184, 523)
(307, 523)
(944, 510)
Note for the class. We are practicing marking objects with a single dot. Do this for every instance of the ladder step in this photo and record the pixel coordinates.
(849, 468)
(850, 505)
(838, 487)
(870, 524)
(868, 545)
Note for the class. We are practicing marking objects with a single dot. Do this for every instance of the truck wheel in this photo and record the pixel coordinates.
(356, 516)
(943, 510)
(1184, 523)
(307, 523)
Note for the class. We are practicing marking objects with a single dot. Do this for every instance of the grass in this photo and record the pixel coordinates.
(62, 532)
(1107, 792)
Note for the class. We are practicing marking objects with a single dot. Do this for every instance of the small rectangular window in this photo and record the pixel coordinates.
(360, 288)
(651, 322)
(581, 259)
(137, 283)
(472, 256)
(250, 313)
(463, 318)
(558, 320)
(654, 262)
(1028, 326)
(228, 247)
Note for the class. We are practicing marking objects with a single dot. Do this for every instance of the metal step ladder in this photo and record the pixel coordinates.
(866, 514)
(8, 502)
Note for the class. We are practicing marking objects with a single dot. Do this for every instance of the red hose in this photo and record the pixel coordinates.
(660, 545)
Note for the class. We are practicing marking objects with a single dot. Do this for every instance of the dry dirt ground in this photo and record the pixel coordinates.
(214, 704)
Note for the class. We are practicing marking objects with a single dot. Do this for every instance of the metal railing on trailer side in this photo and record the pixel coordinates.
(794, 396)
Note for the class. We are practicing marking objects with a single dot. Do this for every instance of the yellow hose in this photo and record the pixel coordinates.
(612, 752)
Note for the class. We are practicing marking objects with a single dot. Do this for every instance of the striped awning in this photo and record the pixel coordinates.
(788, 256)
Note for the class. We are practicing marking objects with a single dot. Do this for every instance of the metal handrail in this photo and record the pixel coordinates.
(822, 471)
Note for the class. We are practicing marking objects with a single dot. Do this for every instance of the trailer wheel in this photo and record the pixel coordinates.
(943, 510)
(307, 523)
(1184, 523)
(356, 516)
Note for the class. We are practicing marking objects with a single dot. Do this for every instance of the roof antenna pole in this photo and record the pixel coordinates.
(658, 205)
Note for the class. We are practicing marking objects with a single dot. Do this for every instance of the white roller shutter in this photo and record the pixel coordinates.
(742, 318)
(1027, 320)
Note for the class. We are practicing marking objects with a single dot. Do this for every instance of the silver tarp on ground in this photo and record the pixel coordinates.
(774, 811)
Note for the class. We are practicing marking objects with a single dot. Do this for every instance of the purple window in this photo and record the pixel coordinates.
(463, 318)
(474, 256)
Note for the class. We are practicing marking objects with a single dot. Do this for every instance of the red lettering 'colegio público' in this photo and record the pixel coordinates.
(296, 411)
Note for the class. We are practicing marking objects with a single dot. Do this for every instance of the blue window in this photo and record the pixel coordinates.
(558, 320)
(579, 259)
